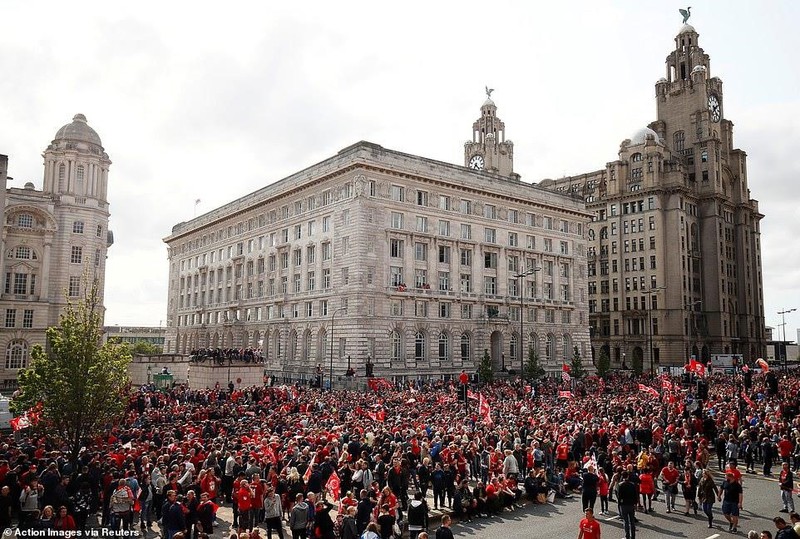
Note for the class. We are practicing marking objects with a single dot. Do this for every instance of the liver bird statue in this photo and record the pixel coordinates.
(489, 92)
(686, 13)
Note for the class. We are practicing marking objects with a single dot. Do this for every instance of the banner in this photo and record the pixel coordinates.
(484, 411)
(333, 486)
(697, 367)
(565, 394)
(748, 400)
(648, 389)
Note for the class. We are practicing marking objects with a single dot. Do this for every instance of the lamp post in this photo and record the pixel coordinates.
(149, 372)
(649, 306)
(521, 277)
(783, 341)
(333, 319)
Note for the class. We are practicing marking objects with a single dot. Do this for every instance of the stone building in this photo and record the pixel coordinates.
(674, 263)
(54, 241)
(378, 256)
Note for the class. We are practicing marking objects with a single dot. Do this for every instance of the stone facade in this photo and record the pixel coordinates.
(675, 252)
(134, 334)
(54, 241)
(410, 262)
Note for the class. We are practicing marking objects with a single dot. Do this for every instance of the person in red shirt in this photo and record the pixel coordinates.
(562, 454)
(785, 447)
(244, 500)
(589, 527)
(670, 476)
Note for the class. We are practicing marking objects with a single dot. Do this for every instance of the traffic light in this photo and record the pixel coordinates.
(462, 392)
(702, 390)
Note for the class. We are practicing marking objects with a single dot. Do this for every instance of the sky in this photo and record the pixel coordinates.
(212, 101)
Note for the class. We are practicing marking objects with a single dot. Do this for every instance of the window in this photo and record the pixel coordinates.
(311, 257)
(11, 318)
(99, 233)
(466, 257)
(420, 252)
(76, 256)
(396, 273)
(466, 207)
(489, 211)
(445, 203)
(396, 248)
(398, 193)
(345, 276)
(311, 281)
(20, 283)
(490, 235)
(23, 252)
(490, 285)
(422, 198)
(326, 251)
(465, 345)
(396, 346)
(444, 254)
(27, 318)
(444, 346)
(490, 260)
(444, 228)
(422, 223)
(17, 354)
(397, 220)
(513, 240)
(419, 346)
(466, 232)
(679, 140)
(74, 286)
(421, 278)
(345, 245)
(466, 311)
(327, 197)
(326, 278)
(77, 227)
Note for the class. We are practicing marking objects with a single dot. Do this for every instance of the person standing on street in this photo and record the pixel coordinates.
(444, 531)
(784, 530)
(589, 527)
(627, 497)
(731, 498)
(787, 484)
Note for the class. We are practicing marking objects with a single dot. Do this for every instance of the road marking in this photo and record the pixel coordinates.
(609, 519)
(713, 536)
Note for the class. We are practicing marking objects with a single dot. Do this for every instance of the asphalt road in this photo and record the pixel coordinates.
(560, 520)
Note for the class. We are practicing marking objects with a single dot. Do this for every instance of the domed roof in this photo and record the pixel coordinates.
(78, 130)
(641, 135)
(686, 28)
(488, 103)
(698, 68)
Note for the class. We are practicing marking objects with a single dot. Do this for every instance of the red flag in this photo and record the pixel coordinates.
(648, 389)
(381, 415)
(21, 422)
(565, 367)
(748, 400)
(307, 475)
(372, 415)
(332, 486)
(565, 394)
(763, 364)
(666, 384)
(745, 369)
(372, 383)
(484, 411)
(471, 395)
(697, 367)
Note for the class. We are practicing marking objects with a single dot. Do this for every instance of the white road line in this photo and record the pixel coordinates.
(609, 519)
(713, 536)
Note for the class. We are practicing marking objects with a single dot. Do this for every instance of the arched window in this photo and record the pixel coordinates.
(466, 347)
(549, 348)
(23, 252)
(566, 341)
(396, 346)
(79, 180)
(636, 157)
(307, 347)
(17, 354)
(444, 346)
(292, 345)
(420, 345)
(533, 342)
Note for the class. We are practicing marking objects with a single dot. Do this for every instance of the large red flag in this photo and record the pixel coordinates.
(763, 364)
(748, 400)
(333, 485)
(697, 367)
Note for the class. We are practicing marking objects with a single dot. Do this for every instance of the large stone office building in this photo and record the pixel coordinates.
(674, 261)
(375, 255)
(54, 241)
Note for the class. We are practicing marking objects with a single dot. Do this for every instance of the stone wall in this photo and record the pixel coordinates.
(177, 365)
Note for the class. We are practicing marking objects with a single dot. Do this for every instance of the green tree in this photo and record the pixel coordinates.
(603, 364)
(577, 369)
(485, 370)
(79, 385)
(533, 370)
(144, 348)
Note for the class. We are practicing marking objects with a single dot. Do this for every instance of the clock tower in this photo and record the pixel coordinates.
(489, 150)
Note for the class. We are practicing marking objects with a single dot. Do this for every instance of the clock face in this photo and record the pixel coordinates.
(476, 162)
(713, 108)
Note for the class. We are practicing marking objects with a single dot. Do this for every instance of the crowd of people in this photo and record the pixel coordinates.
(340, 464)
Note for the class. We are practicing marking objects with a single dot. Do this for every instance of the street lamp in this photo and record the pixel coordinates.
(649, 307)
(521, 277)
(783, 341)
(333, 319)
(149, 372)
